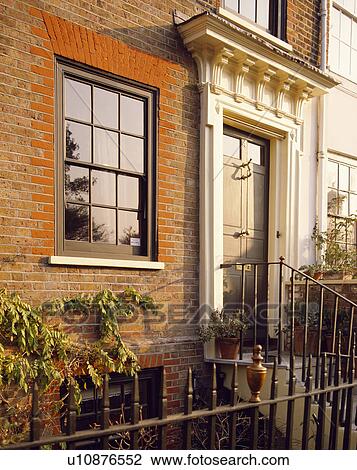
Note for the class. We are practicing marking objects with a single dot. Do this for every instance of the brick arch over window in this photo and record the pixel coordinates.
(59, 37)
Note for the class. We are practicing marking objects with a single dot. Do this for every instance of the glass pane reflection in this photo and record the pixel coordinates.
(105, 112)
(78, 141)
(76, 183)
(76, 222)
(131, 115)
(132, 154)
(105, 147)
(103, 225)
(128, 228)
(78, 100)
(128, 192)
(103, 188)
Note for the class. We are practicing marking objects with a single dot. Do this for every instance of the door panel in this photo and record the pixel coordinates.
(245, 219)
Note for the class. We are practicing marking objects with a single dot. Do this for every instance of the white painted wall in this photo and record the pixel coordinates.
(342, 118)
(308, 178)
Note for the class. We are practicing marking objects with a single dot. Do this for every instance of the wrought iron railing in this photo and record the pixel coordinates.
(317, 433)
(286, 271)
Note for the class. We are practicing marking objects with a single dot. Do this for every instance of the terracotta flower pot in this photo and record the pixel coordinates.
(228, 348)
(311, 344)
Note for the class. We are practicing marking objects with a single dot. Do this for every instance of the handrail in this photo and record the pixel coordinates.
(306, 276)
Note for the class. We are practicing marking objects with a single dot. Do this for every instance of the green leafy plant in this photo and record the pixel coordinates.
(223, 324)
(34, 348)
(330, 245)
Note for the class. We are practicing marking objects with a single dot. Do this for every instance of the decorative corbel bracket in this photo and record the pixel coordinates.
(220, 61)
(302, 95)
(243, 67)
(282, 89)
(264, 76)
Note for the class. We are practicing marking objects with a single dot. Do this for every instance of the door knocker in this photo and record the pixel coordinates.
(241, 167)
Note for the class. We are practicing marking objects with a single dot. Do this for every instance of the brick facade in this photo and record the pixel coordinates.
(136, 40)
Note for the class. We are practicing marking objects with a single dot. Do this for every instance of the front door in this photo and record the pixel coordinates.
(245, 223)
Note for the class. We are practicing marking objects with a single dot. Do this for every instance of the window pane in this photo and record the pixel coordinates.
(131, 115)
(343, 182)
(354, 64)
(78, 141)
(334, 54)
(349, 5)
(76, 183)
(103, 225)
(255, 153)
(105, 112)
(78, 100)
(128, 228)
(132, 154)
(354, 34)
(345, 59)
(332, 202)
(247, 9)
(76, 222)
(231, 146)
(263, 13)
(353, 204)
(103, 188)
(231, 4)
(128, 192)
(343, 203)
(332, 174)
(335, 22)
(105, 147)
(353, 181)
(346, 26)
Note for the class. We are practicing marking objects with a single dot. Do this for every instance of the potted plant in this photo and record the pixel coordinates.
(313, 270)
(225, 328)
(299, 324)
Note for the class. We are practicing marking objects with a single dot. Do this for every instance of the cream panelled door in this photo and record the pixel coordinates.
(245, 219)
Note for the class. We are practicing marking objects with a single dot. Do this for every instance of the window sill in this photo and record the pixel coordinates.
(238, 20)
(104, 263)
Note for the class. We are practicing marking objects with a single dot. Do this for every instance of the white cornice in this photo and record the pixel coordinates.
(210, 32)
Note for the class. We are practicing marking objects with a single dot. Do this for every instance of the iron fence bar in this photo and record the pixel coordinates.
(273, 407)
(291, 404)
(307, 407)
(135, 413)
(35, 414)
(162, 438)
(347, 435)
(71, 414)
(213, 406)
(280, 326)
(255, 304)
(266, 355)
(254, 422)
(105, 415)
(321, 416)
(303, 370)
(241, 336)
(233, 415)
(188, 411)
(318, 354)
(292, 322)
(350, 332)
(336, 399)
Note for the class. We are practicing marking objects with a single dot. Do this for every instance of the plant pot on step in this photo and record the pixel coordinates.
(228, 348)
(311, 343)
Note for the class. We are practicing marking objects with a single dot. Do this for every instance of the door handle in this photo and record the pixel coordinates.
(242, 233)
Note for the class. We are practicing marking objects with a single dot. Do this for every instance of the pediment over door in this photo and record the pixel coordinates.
(234, 62)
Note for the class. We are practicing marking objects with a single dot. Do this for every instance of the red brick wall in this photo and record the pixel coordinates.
(303, 28)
